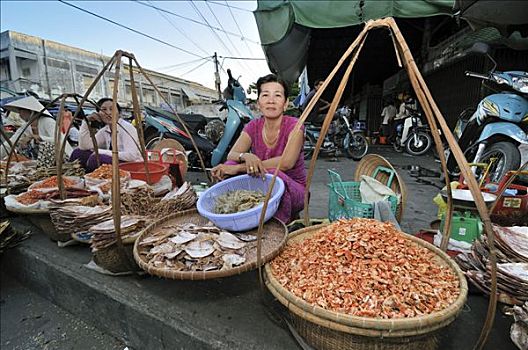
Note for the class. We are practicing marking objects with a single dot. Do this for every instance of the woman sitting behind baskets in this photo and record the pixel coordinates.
(127, 139)
(262, 143)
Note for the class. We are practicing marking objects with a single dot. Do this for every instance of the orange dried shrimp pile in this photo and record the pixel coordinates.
(30, 197)
(52, 182)
(104, 172)
(364, 267)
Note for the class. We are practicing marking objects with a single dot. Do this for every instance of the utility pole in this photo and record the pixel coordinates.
(217, 77)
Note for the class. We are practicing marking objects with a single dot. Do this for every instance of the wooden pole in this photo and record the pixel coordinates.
(137, 117)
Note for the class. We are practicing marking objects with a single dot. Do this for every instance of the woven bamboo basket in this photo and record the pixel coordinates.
(274, 239)
(368, 165)
(116, 260)
(328, 330)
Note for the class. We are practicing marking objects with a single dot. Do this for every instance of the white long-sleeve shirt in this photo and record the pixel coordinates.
(127, 141)
(46, 131)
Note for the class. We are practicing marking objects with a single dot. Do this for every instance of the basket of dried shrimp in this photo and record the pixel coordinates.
(362, 284)
(186, 246)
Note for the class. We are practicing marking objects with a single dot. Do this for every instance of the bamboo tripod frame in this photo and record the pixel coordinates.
(59, 153)
(434, 118)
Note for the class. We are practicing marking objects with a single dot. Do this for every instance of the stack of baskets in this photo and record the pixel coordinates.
(344, 200)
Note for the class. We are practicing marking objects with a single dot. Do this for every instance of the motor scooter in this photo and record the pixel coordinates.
(493, 132)
(417, 140)
(341, 136)
(213, 138)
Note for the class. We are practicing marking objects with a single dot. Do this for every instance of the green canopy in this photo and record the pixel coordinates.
(284, 25)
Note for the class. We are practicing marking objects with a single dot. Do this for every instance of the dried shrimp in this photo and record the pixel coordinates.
(236, 201)
(364, 267)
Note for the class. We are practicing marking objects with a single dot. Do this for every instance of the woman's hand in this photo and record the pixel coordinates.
(220, 171)
(254, 166)
(94, 117)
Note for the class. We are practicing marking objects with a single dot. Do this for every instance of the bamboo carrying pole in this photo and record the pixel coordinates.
(433, 116)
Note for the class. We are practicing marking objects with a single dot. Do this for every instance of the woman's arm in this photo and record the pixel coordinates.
(129, 150)
(241, 146)
(85, 142)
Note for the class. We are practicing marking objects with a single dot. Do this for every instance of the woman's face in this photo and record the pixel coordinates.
(105, 112)
(272, 102)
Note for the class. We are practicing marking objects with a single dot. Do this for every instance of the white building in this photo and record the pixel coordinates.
(50, 69)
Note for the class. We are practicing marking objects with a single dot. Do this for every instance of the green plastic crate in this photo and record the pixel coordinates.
(344, 200)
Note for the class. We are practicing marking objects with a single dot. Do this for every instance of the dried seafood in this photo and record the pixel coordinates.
(237, 201)
(52, 182)
(192, 247)
(181, 199)
(68, 169)
(364, 267)
(104, 236)
(104, 172)
(71, 220)
(33, 196)
(512, 264)
(138, 201)
(10, 237)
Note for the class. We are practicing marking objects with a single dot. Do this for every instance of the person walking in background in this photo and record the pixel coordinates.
(388, 113)
(317, 115)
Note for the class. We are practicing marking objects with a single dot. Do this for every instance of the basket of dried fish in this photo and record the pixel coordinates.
(186, 246)
(105, 249)
(235, 204)
(362, 284)
(69, 221)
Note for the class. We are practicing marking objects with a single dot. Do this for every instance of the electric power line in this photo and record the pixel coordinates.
(181, 31)
(231, 6)
(131, 29)
(228, 38)
(192, 70)
(242, 58)
(195, 21)
(236, 23)
(177, 65)
(199, 13)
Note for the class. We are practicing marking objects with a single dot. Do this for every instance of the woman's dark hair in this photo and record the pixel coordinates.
(272, 78)
(318, 81)
(105, 99)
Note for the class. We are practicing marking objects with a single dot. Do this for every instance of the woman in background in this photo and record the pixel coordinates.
(127, 139)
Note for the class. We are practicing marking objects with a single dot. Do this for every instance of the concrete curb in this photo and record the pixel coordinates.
(147, 312)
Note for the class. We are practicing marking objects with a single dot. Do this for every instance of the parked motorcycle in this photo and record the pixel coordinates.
(494, 131)
(340, 137)
(213, 138)
(418, 138)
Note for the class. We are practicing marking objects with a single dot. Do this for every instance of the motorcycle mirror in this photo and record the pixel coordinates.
(481, 48)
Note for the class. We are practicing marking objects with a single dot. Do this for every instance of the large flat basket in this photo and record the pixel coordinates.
(329, 330)
(274, 239)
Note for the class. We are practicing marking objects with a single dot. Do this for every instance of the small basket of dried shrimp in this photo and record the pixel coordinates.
(362, 284)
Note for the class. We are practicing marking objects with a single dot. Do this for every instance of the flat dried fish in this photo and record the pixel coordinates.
(227, 240)
(200, 249)
(231, 260)
(183, 237)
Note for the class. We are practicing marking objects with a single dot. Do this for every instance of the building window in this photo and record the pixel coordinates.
(26, 72)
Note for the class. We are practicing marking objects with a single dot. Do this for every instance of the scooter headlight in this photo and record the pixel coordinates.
(520, 84)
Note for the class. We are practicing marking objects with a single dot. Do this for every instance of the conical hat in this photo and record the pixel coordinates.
(30, 103)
